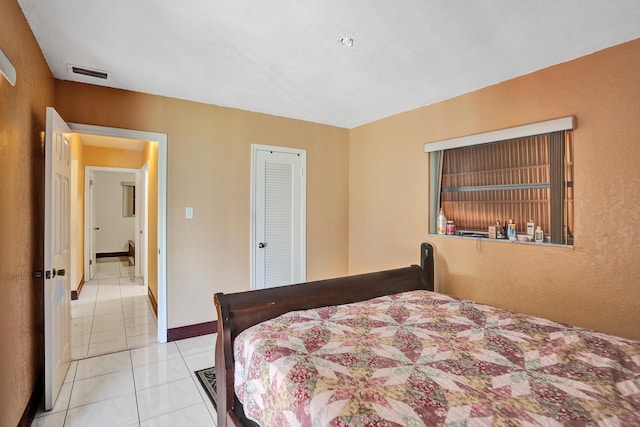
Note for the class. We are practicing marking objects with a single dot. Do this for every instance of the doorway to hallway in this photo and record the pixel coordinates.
(157, 260)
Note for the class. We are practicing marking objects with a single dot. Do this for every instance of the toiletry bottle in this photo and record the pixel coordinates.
(539, 235)
(511, 230)
(441, 223)
(530, 230)
(451, 228)
(499, 230)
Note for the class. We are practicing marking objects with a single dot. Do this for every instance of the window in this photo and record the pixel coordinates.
(477, 181)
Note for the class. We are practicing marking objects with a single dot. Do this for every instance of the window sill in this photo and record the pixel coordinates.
(500, 241)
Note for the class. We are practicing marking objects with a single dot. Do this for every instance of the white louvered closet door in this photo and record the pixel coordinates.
(279, 237)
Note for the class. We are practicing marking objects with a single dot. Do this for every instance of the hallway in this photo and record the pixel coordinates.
(112, 313)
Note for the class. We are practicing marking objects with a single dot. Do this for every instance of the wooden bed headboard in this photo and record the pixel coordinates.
(239, 311)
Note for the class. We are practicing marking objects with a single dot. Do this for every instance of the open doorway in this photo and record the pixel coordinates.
(149, 260)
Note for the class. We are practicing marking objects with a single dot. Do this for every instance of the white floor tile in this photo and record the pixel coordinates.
(62, 401)
(105, 326)
(207, 400)
(78, 312)
(79, 352)
(82, 321)
(197, 345)
(136, 319)
(149, 328)
(61, 404)
(102, 387)
(154, 354)
(50, 420)
(160, 373)
(107, 318)
(113, 412)
(77, 331)
(71, 372)
(141, 340)
(107, 346)
(108, 335)
(165, 398)
(193, 416)
(80, 340)
(109, 306)
(101, 365)
(198, 361)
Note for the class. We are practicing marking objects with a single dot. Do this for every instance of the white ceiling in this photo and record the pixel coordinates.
(283, 57)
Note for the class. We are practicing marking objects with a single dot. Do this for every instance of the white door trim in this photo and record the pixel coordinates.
(162, 140)
(142, 251)
(303, 220)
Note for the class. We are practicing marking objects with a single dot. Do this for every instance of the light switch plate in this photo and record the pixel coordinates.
(188, 214)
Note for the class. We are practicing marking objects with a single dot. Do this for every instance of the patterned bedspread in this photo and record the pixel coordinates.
(425, 359)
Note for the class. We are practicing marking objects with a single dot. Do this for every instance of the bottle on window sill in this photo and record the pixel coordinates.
(451, 228)
(441, 223)
(539, 235)
(511, 230)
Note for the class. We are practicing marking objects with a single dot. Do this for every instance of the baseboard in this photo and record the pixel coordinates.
(34, 403)
(191, 331)
(152, 300)
(112, 254)
(75, 294)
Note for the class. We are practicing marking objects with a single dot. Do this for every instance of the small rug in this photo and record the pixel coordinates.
(207, 378)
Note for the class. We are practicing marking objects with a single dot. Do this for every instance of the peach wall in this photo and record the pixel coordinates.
(596, 283)
(22, 119)
(150, 154)
(209, 167)
(111, 157)
(77, 148)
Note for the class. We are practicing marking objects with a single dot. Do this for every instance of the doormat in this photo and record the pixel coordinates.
(207, 378)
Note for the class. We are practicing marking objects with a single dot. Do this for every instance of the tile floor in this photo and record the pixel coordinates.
(120, 375)
(112, 313)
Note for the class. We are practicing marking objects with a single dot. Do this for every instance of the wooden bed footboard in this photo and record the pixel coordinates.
(239, 311)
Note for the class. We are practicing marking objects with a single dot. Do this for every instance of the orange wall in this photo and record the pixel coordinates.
(596, 283)
(77, 148)
(111, 157)
(209, 169)
(150, 154)
(22, 118)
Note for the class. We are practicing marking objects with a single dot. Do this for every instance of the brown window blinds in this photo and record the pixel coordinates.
(524, 179)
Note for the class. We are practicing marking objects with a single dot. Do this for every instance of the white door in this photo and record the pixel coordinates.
(93, 228)
(57, 259)
(142, 179)
(279, 219)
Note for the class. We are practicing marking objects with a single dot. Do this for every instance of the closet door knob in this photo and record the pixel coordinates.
(262, 245)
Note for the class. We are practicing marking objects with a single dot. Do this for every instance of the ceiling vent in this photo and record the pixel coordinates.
(84, 71)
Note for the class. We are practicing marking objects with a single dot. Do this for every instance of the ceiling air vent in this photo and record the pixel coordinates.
(84, 71)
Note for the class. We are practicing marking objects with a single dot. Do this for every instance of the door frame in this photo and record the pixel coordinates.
(142, 221)
(303, 214)
(162, 140)
(89, 208)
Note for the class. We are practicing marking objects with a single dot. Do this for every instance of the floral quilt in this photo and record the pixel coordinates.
(425, 359)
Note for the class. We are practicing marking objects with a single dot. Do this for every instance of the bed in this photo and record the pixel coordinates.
(384, 349)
